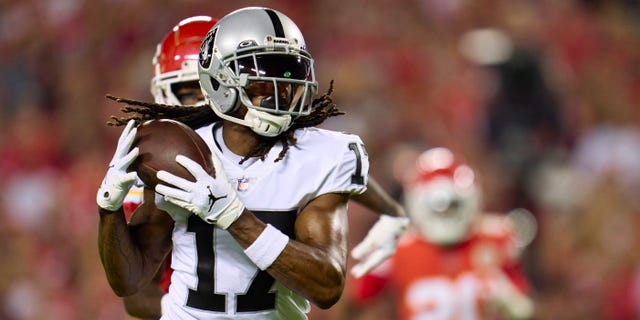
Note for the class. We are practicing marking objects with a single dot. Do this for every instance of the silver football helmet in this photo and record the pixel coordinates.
(257, 45)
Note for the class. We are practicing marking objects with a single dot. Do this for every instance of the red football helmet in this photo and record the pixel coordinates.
(176, 58)
(442, 197)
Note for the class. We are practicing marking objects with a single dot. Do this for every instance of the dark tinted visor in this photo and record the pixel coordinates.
(276, 66)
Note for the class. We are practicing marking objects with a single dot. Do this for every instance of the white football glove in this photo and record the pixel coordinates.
(211, 198)
(502, 294)
(118, 181)
(379, 243)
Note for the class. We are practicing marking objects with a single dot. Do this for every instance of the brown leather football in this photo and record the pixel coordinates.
(160, 141)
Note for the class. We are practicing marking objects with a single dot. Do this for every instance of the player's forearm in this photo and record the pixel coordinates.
(146, 303)
(120, 260)
(312, 272)
(376, 199)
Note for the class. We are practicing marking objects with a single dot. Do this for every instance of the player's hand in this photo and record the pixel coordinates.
(118, 181)
(379, 244)
(211, 198)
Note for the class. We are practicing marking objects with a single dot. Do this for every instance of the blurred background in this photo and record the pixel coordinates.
(542, 98)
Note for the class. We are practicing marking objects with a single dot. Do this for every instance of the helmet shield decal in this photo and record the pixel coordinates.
(206, 49)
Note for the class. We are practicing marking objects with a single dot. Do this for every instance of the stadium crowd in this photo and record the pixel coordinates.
(543, 97)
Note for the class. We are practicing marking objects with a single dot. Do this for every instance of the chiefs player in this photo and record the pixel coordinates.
(455, 262)
(175, 82)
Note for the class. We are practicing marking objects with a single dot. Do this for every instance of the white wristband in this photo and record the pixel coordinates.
(267, 247)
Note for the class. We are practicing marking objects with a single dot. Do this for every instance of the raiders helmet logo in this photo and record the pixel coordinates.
(206, 49)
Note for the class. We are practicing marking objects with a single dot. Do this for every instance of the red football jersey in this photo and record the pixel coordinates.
(429, 281)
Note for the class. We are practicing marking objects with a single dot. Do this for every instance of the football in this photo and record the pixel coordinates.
(159, 142)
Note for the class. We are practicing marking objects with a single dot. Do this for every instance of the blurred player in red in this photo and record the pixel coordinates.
(454, 262)
(175, 82)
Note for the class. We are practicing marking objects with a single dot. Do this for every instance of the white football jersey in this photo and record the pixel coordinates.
(212, 277)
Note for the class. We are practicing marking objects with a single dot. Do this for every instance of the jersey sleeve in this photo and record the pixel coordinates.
(350, 174)
(373, 283)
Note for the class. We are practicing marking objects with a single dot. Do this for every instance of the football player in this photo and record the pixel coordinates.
(455, 262)
(272, 77)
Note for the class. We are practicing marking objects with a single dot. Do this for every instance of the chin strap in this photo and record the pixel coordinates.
(266, 124)
(262, 123)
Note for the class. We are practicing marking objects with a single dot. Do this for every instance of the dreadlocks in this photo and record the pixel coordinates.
(200, 116)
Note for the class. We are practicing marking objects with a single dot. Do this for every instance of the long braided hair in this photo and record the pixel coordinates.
(322, 108)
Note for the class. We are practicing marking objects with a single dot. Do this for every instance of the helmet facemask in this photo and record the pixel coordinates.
(164, 86)
(443, 212)
(291, 77)
(442, 197)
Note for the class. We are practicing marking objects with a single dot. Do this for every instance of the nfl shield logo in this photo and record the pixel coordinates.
(243, 184)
